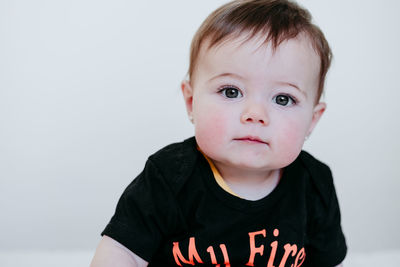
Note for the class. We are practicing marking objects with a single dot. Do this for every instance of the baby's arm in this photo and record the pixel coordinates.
(111, 253)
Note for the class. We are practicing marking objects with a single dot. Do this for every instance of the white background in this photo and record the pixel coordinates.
(89, 89)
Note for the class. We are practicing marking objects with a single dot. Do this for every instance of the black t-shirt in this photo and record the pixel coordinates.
(175, 214)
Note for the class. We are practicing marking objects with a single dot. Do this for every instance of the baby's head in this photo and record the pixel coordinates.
(256, 75)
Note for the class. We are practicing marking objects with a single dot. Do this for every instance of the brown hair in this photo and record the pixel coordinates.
(278, 20)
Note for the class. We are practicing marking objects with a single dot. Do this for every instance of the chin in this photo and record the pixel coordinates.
(271, 162)
(253, 164)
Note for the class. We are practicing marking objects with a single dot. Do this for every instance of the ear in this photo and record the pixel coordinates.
(317, 113)
(187, 92)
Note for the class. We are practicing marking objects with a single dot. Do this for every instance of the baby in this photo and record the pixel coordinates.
(241, 192)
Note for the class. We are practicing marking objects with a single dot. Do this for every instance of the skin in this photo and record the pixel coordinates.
(252, 108)
(110, 253)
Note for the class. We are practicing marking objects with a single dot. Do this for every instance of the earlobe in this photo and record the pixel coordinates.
(318, 110)
(187, 92)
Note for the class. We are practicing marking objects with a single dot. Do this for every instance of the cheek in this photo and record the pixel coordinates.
(291, 139)
(211, 128)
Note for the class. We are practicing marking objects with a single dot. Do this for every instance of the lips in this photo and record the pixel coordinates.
(251, 139)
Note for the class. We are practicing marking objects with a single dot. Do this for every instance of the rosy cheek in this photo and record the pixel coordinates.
(291, 140)
(210, 129)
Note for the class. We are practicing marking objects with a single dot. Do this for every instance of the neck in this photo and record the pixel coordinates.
(249, 184)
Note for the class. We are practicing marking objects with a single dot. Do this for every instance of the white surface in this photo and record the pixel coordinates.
(46, 258)
(89, 88)
(83, 259)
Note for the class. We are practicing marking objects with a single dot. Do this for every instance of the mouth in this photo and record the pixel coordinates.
(251, 139)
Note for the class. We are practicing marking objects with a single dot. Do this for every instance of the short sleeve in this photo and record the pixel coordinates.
(326, 242)
(145, 213)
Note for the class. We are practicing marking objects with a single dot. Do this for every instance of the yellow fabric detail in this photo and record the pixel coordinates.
(217, 176)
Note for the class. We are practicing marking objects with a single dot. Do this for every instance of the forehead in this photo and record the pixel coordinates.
(294, 60)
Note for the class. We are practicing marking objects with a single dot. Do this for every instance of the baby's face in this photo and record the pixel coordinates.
(252, 107)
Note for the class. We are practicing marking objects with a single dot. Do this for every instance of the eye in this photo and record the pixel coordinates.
(285, 100)
(230, 92)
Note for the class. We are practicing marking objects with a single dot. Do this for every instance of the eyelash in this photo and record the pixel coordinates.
(222, 91)
(291, 98)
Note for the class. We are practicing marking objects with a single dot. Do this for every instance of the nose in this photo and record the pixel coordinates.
(255, 113)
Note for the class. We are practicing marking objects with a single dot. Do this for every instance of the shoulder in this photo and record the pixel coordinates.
(314, 166)
(175, 151)
(175, 162)
(319, 175)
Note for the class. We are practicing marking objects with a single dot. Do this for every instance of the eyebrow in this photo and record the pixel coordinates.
(294, 86)
(227, 74)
